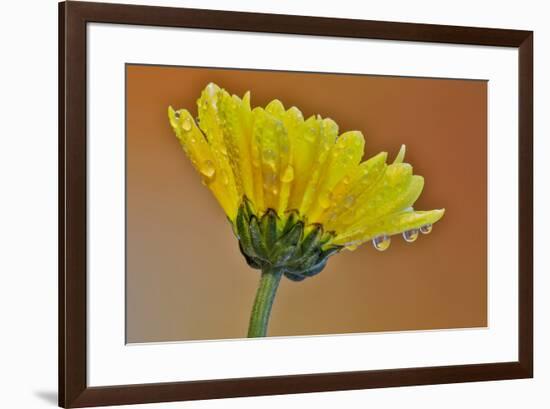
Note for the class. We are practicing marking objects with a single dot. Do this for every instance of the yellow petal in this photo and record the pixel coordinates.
(385, 196)
(237, 131)
(210, 123)
(218, 178)
(271, 139)
(359, 182)
(401, 155)
(344, 156)
(392, 224)
(303, 140)
(325, 137)
(293, 121)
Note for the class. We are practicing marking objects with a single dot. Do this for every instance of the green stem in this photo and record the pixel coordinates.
(269, 282)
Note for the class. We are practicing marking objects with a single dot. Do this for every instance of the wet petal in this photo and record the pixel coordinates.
(236, 118)
(351, 188)
(324, 141)
(389, 225)
(214, 174)
(344, 156)
(271, 140)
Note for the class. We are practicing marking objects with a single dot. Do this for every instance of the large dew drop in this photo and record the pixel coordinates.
(381, 243)
(410, 235)
(426, 229)
(207, 169)
(186, 125)
(288, 175)
(325, 200)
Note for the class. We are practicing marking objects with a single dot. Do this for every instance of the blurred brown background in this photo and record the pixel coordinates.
(186, 279)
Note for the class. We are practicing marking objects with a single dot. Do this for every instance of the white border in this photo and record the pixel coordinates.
(111, 362)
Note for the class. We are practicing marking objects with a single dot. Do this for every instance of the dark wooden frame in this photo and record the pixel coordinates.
(73, 388)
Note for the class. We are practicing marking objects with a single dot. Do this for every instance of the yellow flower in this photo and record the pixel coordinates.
(295, 190)
(280, 161)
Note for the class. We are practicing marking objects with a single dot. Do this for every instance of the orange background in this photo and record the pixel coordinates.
(186, 279)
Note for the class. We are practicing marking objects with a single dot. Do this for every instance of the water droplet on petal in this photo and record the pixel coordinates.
(346, 180)
(410, 235)
(426, 229)
(225, 178)
(207, 169)
(186, 124)
(349, 201)
(269, 155)
(381, 243)
(288, 175)
(325, 200)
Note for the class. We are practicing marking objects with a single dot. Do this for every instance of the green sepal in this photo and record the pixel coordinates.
(295, 277)
(287, 246)
(257, 239)
(312, 240)
(249, 260)
(284, 242)
(292, 218)
(316, 269)
(269, 228)
(242, 223)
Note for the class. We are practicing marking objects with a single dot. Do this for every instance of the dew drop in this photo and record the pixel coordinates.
(346, 180)
(426, 229)
(288, 175)
(381, 243)
(410, 235)
(270, 177)
(349, 201)
(325, 200)
(225, 178)
(207, 169)
(186, 124)
(269, 155)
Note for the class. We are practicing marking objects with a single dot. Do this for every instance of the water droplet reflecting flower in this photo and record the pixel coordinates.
(410, 235)
(426, 229)
(381, 243)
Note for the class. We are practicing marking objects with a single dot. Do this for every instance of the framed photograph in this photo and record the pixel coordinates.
(255, 204)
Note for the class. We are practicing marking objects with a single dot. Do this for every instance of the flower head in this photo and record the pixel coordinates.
(295, 190)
